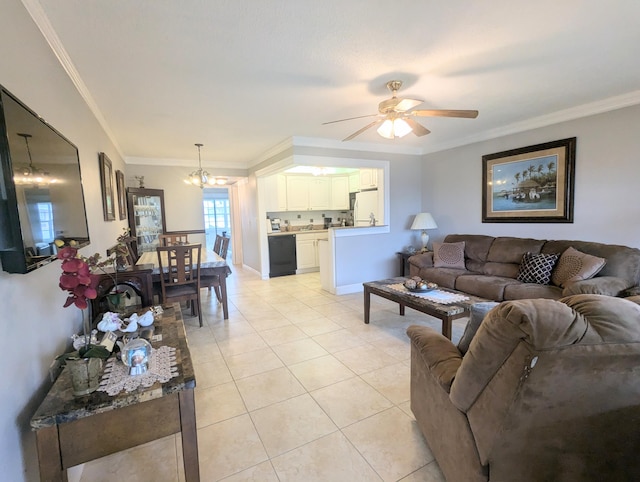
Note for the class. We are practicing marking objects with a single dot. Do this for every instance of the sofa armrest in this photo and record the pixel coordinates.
(440, 355)
(422, 260)
(601, 285)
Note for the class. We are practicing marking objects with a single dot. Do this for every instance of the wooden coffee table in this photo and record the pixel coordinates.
(446, 313)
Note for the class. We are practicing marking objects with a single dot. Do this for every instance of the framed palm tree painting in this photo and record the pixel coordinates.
(531, 184)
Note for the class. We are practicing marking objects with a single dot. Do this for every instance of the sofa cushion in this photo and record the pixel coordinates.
(448, 255)
(476, 246)
(622, 261)
(574, 265)
(445, 277)
(488, 287)
(477, 313)
(537, 268)
(522, 291)
(510, 250)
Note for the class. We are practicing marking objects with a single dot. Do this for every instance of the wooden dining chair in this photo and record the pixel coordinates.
(218, 244)
(174, 239)
(180, 275)
(214, 280)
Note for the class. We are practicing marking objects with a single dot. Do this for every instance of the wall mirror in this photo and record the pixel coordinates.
(41, 196)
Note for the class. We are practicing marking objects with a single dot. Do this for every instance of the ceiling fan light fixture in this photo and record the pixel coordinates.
(220, 181)
(391, 129)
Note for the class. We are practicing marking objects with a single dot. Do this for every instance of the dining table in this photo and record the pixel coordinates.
(211, 264)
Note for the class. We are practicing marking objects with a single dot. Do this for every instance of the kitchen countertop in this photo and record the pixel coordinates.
(299, 231)
(322, 230)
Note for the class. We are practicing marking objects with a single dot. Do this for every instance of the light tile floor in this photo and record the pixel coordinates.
(293, 387)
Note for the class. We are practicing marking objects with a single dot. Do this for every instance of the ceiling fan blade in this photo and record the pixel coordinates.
(417, 128)
(469, 114)
(358, 132)
(407, 104)
(349, 118)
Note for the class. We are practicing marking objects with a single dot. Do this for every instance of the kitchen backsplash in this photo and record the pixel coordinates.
(304, 218)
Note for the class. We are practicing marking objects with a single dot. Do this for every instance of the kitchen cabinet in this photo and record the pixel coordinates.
(307, 253)
(276, 193)
(339, 193)
(297, 193)
(368, 178)
(146, 217)
(305, 193)
(319, 193)
(354, 182)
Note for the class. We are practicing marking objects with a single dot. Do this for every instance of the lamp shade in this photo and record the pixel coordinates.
(424, 221)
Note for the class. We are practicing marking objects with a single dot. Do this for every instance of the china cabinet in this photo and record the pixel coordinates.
(146, 217)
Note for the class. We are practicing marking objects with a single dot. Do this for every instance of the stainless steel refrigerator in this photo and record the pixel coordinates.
(365, 206)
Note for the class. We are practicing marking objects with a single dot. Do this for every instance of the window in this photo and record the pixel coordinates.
(45, 216)
(217, 215)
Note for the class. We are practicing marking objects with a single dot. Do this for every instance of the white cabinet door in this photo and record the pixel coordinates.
(368, 178)
(306, 251)
(297, 193)
(276, 193)
(340, 192)
(354, 182)
(319, 193)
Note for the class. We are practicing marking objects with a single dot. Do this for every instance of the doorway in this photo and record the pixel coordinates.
(217, 215)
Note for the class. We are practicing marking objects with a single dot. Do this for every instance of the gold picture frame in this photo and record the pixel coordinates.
(531, 184)
(106, 184)
(122, 195)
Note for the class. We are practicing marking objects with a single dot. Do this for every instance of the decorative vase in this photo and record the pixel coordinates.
(85, 375)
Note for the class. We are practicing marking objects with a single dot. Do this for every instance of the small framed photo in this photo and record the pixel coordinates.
(106, 183)
(531, 184)
(122, 196)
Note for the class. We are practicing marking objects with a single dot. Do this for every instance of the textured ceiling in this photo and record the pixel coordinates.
(241, 76)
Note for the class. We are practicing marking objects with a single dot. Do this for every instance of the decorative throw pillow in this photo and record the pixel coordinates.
(537, 268)
(477, 313)
(574, 265)
(448, 255)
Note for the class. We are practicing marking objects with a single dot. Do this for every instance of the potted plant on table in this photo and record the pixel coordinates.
(80, 280)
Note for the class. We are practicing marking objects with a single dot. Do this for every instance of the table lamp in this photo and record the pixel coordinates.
(424, 221)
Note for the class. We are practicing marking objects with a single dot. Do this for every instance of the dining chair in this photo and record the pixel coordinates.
(180, 275)
(218, 244)
(174, 239)
(222, 245)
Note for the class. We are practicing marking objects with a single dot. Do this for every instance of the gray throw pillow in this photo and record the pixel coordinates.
(448, 255)
(477, 313)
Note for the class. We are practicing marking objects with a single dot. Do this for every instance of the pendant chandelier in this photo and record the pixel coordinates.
(31, 174)
(202, 178)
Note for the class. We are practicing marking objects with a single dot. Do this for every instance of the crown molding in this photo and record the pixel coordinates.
(592, 108)
(355, 146)
(36, 12)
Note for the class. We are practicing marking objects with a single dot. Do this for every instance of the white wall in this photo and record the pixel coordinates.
(374, 256)
(35, 327)
(606, 206)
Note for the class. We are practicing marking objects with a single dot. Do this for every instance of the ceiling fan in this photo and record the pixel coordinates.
(395, 116)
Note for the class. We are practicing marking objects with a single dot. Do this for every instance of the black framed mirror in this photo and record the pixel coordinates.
(41, 195)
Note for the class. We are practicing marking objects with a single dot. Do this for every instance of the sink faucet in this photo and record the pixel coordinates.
(372, 219)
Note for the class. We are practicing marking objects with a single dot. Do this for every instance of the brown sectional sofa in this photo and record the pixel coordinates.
(492, 265)
(548, 390)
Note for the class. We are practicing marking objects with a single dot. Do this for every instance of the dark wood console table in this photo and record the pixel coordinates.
(73, 430)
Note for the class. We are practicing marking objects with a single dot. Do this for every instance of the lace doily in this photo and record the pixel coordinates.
(437, 296)
(162, 367)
